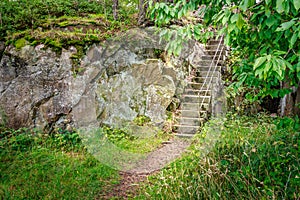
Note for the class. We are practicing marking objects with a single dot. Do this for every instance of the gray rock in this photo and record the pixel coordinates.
(123, 78)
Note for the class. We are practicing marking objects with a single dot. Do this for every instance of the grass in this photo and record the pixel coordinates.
(255, 158)
(137, 144)
(36, 166)
(243, 158)
(58, 166)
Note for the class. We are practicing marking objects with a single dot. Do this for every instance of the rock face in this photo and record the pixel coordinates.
(118, 80)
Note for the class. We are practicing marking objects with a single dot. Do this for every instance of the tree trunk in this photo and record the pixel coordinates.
(297, 101)
(143, 6)
(115, 9)
(289, 104)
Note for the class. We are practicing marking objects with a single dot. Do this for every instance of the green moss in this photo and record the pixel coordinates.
(20, 43)
(141, 120)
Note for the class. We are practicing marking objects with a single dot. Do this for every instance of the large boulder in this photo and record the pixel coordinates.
(119, 80)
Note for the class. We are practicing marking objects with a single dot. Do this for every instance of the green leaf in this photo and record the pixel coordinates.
(268, 2)
(293, 40)
(286, 25)
(234, 18)
(259, 61)
(240, 22)
(267, 12)
(279, 6)
(266, 70)
(271, 21)
(286, 7)
(259, 72)
(296, 4)
(197, 30)
(244, 5)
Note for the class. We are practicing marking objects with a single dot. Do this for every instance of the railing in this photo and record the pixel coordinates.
(213, 65)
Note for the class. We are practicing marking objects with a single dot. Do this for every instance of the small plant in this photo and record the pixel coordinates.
(115, 135)
(142, 120)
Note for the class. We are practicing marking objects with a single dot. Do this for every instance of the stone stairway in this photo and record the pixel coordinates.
(196, 99)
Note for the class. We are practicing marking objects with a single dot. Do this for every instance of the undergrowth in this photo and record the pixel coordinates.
(60, 24)
(254, 158)
(123, 139)
(57, 166)
(35, 165)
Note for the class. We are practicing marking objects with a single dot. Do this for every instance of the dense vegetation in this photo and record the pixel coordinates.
(60, 24)
(39, 166)
(255, 157)
(263, 35)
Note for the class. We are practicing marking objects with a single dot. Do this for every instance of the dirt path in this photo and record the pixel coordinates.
(155, 160)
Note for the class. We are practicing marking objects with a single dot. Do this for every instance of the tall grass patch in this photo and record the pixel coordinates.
(36, 166)
(255, 158)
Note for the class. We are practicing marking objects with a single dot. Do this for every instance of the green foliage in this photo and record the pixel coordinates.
(265, 35)
(255, 158)
(114, 134)
(20, 43)
(142, 120)
(22, 14)
(39, 166)
(132, 142)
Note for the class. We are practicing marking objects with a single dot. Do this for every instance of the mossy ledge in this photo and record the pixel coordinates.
(64, 32)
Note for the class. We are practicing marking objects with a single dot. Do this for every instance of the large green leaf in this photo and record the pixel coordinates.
(259, 72)
(267, 69)
(240, 21)
(271, 21)
(296, 4)
(279, 6)
(259, 61)
(286, 25)
(293, 40)
(234, 18)
(244, 5)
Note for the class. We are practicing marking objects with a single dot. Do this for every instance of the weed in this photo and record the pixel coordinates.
(255, 158)
(141, 120)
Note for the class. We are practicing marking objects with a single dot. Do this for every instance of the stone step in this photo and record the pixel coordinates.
(207, 62)
(213, 73)
(185, 135)
(193, 108)
(186, 129)
(196, 98)
(208, 68)
(214, 42)
(191, 121)
(198, 86)
(197, 92)
(211, 57)
(209, 79)
(215, 47)
(193, 114)
(215, 52)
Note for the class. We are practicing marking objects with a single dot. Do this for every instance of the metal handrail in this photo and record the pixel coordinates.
(209, 71)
